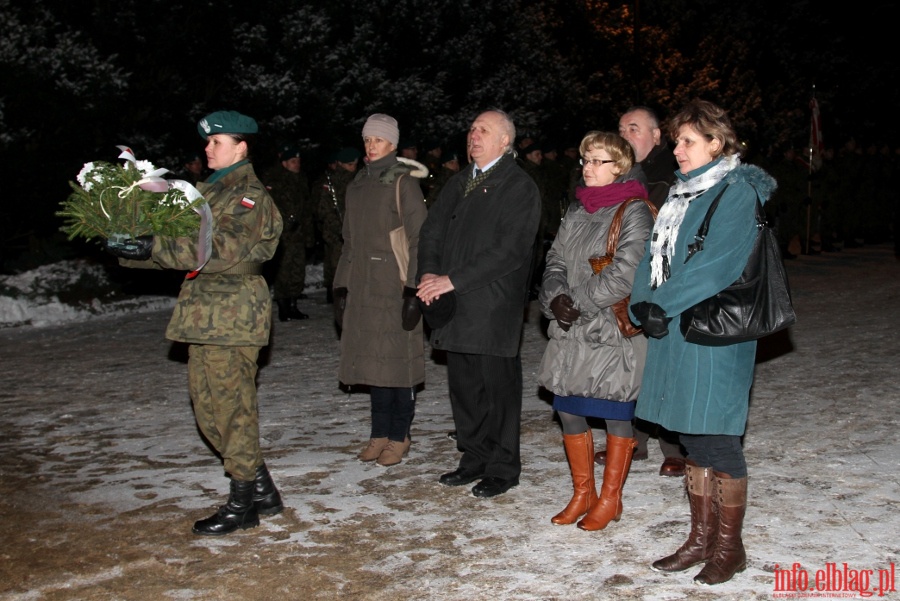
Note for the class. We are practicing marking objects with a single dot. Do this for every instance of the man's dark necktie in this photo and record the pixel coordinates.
(478, 177)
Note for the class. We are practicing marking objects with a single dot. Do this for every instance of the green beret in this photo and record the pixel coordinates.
(288, 151)
(226, 122)
(347, 155)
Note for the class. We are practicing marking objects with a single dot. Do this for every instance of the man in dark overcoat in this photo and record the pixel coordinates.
(475, 251)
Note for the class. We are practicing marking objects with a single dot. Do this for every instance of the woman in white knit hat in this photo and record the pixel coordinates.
(382, 344)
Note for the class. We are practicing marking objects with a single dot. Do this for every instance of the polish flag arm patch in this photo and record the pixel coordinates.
(248, 202)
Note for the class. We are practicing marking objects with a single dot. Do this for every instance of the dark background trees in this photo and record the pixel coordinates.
(91, 74)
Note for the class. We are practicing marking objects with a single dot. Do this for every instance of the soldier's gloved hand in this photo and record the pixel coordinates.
(563, 308)
(410, 314)
(136, 249)
(340, 303)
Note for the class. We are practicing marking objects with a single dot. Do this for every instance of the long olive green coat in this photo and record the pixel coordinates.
(375, 349)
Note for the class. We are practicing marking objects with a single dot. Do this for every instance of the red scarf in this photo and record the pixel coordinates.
(597, 197)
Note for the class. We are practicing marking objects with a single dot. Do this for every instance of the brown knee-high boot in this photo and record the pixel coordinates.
(580, 453)
(609, 506)
(701, 540)
(729, 557)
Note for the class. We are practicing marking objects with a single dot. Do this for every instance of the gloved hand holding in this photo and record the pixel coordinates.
(410, 314)
(340, 303)
(563, 308)
(136, 249)
(653, 319)
(641, 310)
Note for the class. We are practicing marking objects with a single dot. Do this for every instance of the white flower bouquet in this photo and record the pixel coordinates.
(130, 200)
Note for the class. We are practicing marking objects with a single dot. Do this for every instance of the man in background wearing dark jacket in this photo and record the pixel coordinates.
(640, 126)
(475, 251)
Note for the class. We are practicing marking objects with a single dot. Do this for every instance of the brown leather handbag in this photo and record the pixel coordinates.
(620, 309)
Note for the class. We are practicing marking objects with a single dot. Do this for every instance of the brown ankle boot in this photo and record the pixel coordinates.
(394, 452)
(609, 505)
(373, 449)
(729, 556)
(701, 540)
(580, 453)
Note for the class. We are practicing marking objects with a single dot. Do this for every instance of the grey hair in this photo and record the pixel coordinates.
(510, 128)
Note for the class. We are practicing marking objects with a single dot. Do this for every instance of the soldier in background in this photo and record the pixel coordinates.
(432, 158)
(449, 167)
(289, 187)
(557, 176)
(530, 161)
(329, 198)
(193, 170)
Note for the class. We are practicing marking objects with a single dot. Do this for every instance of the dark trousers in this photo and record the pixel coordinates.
(668, 440)
(722, 452)
(392, 412)
(486, 399)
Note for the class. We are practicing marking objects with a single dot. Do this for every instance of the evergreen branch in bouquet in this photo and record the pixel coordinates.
(126, 200)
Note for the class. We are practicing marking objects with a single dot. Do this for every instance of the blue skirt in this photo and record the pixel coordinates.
(588, 407)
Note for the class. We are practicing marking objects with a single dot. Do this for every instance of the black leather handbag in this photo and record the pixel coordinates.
(756, 305)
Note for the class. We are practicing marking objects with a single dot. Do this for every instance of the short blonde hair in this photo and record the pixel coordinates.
(618, 148)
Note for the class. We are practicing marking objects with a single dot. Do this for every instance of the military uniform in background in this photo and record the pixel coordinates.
(292, 197)
(329, 193)
(437, 179)
(541, 178)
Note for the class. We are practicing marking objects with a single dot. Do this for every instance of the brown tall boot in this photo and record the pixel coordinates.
(729, 557)
(609, 505)
(580, 453)
(701, 540)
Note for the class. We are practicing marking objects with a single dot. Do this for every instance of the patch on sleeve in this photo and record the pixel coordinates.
(248, 202)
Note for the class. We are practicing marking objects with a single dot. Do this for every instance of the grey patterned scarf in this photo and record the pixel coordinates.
(668, 222)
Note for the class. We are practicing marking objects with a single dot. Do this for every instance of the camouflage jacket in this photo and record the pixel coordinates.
(290, 191)
(331, 190)
(217, 307)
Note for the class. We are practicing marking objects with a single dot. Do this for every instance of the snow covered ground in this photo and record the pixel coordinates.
(94, 415)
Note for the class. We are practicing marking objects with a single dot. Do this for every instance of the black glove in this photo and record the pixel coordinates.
(136, 249)
(641, 310)
(564, 310)
(410, 313)
(340, 303)
(653, 319)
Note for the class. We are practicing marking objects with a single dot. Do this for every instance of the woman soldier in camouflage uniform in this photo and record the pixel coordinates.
(224, 314)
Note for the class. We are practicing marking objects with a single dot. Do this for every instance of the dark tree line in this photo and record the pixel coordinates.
(87, 75)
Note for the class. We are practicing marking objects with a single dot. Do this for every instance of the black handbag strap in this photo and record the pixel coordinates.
(700, 236)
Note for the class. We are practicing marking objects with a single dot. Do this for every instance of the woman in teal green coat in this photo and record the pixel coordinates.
(701, 392)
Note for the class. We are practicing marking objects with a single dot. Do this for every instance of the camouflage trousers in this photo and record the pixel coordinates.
(332, 256)
(222, 384)
(290, 267)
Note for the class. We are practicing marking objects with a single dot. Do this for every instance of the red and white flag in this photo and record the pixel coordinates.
(816, 144)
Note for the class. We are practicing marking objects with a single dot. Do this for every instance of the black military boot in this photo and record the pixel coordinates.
(284, 309)
(295, 312)
(238, 512)
(265, 495)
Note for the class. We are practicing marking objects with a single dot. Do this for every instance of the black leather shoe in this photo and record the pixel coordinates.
(460, 477)
(451, 434)
(493, 486)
